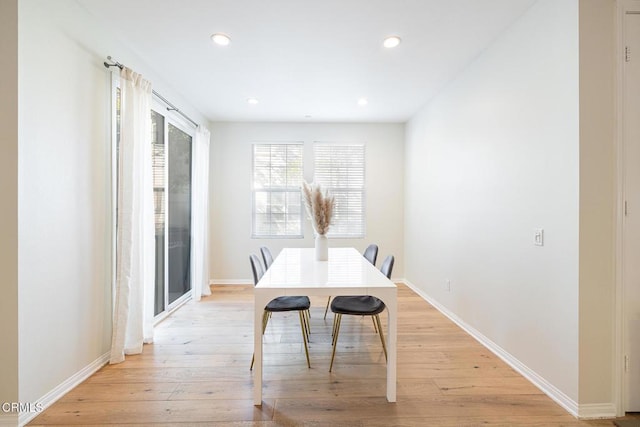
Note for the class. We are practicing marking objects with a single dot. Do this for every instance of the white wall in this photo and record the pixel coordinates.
(64, 262)
(231, 174)
(65, 190)
(9, 211)
(491, 158)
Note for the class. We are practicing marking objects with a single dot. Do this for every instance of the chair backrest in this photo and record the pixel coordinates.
(266, 256)
(387, 266)
(256, 268)
(371, 253)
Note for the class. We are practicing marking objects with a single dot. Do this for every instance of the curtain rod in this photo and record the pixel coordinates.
(171, 107)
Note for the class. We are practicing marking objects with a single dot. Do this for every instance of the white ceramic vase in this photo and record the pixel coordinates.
(322, 247)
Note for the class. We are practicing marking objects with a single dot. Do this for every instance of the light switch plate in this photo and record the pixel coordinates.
(538, 237)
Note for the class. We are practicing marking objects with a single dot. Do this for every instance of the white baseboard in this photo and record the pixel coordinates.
(592, 411)
(62, 389)
(547, 388)
(231, 282)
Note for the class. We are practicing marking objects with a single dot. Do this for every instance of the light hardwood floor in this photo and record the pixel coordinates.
(197, 373)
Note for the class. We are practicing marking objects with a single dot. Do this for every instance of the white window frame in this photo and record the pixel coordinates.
(333, 189)
(283, 189)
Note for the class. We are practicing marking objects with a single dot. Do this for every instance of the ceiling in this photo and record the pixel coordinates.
(307, 60)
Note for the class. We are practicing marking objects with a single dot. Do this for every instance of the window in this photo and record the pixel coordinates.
(277, 202)
(340, 169)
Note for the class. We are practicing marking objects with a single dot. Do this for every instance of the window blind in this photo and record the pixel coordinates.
(277, 177)
(340, 169)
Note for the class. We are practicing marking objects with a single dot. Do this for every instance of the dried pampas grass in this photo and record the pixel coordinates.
(319, 204)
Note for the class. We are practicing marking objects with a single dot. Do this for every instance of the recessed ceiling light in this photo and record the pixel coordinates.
(252, 101)
(391, 41)
(362, 101)
(221, 39)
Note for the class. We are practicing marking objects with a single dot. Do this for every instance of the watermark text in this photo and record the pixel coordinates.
(20, 407)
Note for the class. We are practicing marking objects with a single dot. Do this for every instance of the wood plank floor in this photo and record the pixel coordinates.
(197, 373)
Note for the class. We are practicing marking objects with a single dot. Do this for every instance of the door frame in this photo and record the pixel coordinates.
(620, 329)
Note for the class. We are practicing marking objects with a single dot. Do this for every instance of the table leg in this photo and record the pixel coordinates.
(392, 345)
(257, 348)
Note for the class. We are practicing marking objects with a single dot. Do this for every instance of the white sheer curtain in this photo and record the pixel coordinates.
(133, 312)
(200, 215)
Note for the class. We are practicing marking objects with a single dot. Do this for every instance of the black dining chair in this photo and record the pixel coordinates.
(266, 257)
(300, 304)
(370, 254)
(360, 305)
(387, 266)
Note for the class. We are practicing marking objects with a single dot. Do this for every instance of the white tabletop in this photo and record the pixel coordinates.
(346, 267)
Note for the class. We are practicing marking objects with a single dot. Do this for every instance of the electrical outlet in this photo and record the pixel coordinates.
(538, 237)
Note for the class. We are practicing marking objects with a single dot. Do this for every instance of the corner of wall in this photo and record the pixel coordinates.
(9, 213)
(597, 233)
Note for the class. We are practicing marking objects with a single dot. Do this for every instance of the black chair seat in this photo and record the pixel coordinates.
(288, 304)
(280, 304)
(364, 305)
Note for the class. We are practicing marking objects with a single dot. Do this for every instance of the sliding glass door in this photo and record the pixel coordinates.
(172, 197)
(179, 188)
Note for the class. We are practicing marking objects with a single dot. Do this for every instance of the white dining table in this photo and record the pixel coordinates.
(295, 271)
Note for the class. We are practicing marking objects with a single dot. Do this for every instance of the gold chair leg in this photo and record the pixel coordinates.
(327, 307)
(306, 327)
(384, 347)
(338, 318)
(265, 320)
(306, 350)
(375, 328)
(333, 329)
